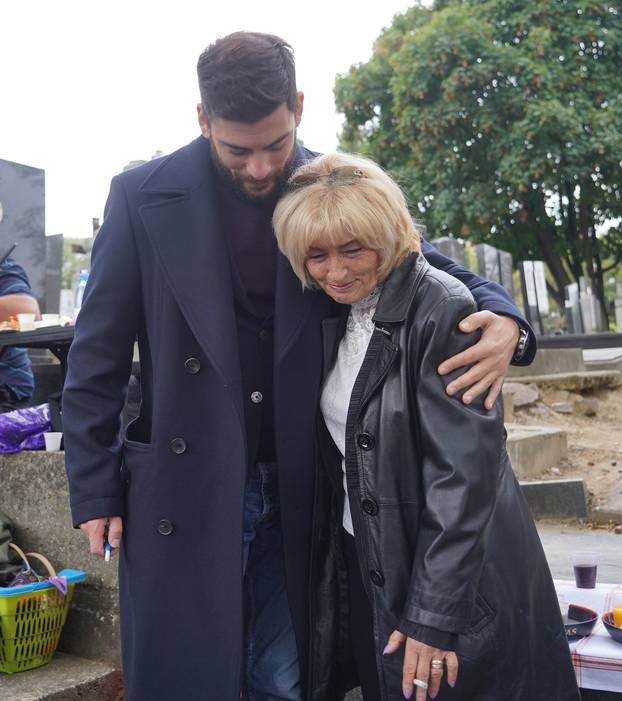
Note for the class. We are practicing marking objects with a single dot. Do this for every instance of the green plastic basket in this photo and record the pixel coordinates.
(31, 620)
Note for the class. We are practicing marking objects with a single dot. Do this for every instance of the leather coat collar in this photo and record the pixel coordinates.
(399, 290)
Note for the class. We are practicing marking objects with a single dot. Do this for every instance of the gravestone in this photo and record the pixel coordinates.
(535, 295)
(496, 265)
(22, 203)
(53, 273)
(452, 248)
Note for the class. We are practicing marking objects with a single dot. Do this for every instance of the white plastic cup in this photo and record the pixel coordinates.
(26, 322)
(50, 319)
(52, 440)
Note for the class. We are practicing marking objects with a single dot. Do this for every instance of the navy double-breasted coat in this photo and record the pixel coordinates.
(160, 274)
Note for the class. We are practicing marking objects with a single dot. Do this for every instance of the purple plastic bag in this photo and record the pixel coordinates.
(23, 429)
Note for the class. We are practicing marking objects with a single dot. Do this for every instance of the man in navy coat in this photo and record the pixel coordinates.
(209, 492)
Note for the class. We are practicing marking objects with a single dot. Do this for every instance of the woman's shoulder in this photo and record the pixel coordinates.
(438, 287)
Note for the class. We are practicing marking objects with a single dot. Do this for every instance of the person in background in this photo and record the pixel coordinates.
(16, 379)
(417, 508)
(208, 493)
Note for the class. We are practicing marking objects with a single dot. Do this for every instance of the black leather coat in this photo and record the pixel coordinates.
(448, 549)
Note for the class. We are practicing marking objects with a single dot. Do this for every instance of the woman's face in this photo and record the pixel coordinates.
(347, 271)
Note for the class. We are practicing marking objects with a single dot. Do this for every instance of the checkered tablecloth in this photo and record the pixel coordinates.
(597, 659)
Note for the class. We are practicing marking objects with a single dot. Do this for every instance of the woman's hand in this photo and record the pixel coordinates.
(491, 356)
(418, 659)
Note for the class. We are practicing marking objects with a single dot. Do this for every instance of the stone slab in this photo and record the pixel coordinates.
(556, 498)
(65, 678)
(551, 361)
(533, 449)
(34, 494)
(574, 381)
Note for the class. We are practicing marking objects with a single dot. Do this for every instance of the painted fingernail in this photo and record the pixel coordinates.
(452, 684)
(433, 694)
(408, 694)
(465, 325)
(387, 649)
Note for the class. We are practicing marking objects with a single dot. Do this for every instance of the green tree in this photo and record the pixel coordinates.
(502, 120)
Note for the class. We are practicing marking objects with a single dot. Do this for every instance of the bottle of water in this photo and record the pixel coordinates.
(84, 276)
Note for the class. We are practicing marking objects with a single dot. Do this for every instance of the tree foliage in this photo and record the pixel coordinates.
(502, 120)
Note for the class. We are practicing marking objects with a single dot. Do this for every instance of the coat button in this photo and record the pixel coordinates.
(370, 507)
(165, 527)
(366, 441)
(377, 578)
(178, 446)
(263, 334)
(256, 397)
(192, 366)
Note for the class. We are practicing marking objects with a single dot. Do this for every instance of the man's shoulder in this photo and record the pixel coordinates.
(304, 154)
(178, 162)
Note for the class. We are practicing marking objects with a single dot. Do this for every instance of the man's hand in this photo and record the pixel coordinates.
(491, 354)
(418, 664)
(96, 529)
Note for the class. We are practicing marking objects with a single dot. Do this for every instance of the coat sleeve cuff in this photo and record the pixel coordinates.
(104, 507)
(532, 344)
(430, 636)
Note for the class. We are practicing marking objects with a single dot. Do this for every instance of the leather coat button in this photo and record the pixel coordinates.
(178, 446)
(165, 527)
(366, 441)
(192, 366)
(370, 507)
(377, 578)
(256, 397)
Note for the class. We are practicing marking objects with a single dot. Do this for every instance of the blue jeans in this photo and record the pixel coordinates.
(272, 672)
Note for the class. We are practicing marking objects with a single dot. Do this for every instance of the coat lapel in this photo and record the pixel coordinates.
(183, 226)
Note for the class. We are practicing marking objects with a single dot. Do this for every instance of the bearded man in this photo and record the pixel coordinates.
(208, 494)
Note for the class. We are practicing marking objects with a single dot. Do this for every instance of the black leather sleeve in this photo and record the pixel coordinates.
(460, 459)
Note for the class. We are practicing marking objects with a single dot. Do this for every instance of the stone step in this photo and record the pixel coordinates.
(65, 678)
(533, 449)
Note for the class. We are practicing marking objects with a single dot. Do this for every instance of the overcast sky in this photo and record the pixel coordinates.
(86, 86)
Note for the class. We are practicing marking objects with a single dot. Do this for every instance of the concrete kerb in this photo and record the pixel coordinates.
(556, 498)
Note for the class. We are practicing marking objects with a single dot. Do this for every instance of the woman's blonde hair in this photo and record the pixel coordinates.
(340, 196)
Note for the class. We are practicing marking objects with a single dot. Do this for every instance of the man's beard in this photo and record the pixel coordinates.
(236, 182)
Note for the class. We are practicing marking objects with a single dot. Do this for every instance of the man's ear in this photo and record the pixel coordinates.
(203, 121)
(299, 105)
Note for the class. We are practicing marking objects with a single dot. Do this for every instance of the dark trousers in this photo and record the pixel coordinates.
(361, 625)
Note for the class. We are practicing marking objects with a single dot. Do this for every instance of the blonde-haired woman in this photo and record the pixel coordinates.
(427, 571)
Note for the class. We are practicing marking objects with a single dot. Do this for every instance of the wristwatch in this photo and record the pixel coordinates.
(521, 346)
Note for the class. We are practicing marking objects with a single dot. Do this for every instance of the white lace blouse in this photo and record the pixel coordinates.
(338, 387)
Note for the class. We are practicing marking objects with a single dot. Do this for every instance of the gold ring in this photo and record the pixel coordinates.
(419, 683)
(436, 664)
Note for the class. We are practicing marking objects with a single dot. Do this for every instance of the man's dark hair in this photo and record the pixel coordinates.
(245, 76)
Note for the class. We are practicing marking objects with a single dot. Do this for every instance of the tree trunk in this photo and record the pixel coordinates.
(571, 233)
(546, 234)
